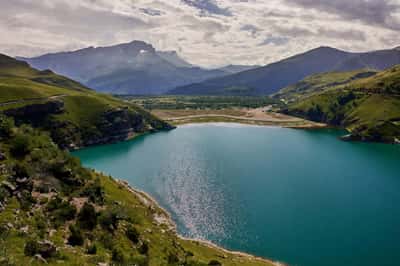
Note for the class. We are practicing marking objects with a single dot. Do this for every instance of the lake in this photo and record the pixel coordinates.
(301, 197)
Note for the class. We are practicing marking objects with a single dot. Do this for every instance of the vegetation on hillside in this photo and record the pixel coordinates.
(368, 107)
(53, 211)
(199, 102)
(318, 83)
(75, 115)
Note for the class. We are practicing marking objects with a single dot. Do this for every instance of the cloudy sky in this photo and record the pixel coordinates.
(204, 32)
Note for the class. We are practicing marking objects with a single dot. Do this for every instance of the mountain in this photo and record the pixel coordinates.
(273, 77)
(129, 68)
(53, 211)
(173, 58)
(233, 69)
(368, 107)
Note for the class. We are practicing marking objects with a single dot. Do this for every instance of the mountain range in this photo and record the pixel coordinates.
(273, 77)
(129, 68)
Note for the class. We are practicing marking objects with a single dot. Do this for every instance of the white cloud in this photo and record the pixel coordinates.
(205, 32)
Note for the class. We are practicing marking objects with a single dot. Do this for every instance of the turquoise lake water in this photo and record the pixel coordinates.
(300, 197)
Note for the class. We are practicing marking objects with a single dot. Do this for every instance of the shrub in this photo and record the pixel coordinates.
(173, 258)
(144, 248)
(91, 249)
(214, 263)
(31, 248)
(6, 126)
(75, 238)
(118, 256)
(20, 145)
(26, 200)
(109, 220)
(87, 217)
(61, 211)
(132, 234)
(94, 191)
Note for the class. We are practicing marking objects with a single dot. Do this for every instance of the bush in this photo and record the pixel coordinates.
(214, 263)
(75, 238)
(87, 217)
(94, 191)
(118, 256)
(26, 200)
(132, 234)
(61, 211)
(20, 145)
(91, 249)
(31, 248)
(144, 248)
(109, 220)
(6, 126)
(173, 258)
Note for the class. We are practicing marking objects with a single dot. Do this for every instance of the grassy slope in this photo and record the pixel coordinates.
(369, 107)
(320, 82)
(21, 85)
(26, 215)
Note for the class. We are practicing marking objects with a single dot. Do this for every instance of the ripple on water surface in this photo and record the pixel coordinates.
(303, 197)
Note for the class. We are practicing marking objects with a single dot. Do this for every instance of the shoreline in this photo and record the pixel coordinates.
(146, 198)
(223, 119)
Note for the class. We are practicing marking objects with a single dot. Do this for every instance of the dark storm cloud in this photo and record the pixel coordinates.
(208, 7)
(374, 12)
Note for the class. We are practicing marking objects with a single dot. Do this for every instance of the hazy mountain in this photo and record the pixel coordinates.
(271, 78)
(173, 58)
(130, 68)
(233, 69)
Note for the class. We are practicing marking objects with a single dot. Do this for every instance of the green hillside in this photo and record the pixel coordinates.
(368, 107)
(318, 83)
(75, 115)
(55, 212)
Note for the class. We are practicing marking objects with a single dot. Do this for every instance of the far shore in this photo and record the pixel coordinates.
(257, 116)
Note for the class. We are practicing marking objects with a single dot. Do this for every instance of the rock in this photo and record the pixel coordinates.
(47, 249)
(39, 258)
(2, 156)
(10, 225)
(35, 114)
(24, 229)
(22, 180)
(8, 186)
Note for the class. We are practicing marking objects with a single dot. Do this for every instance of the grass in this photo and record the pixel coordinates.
(199, 102)
(50, 169)
(368, 107)
(319, 83)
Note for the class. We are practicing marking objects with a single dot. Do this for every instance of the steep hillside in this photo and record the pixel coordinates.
(368, 107)
(129, 68)
(55, 212)
(318, 83)
(271, 78)
(75, 115)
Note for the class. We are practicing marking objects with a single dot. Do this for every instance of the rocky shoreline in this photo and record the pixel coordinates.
(162, 217)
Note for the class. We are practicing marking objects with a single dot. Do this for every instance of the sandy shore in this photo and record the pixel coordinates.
(257, 116)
